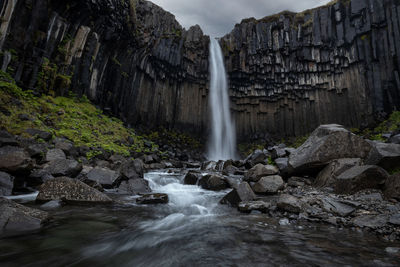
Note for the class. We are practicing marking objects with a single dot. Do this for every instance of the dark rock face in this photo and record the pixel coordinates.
(213, 182)
(359, 178)
(63, 167)
(326, 143)
(392, 187)
(260, 170)
(15, 160)
(134, 187)
(6, 184)
(135, 60)
(16, 219)
(70, 190)
(385, 155)
(153, 199)
(327, 177)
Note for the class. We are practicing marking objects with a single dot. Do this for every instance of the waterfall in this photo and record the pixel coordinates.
(222, 145)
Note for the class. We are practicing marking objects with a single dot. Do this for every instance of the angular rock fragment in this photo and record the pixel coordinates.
(269, 185)
(242, 192)
(153, 199)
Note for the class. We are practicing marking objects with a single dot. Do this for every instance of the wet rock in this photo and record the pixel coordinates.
(395, 139)
(327, 143)
(384, 155)
(370, 221)
(70, 190)
(260, 170)
(392, 187)
(15, 160)
(63, 167)
(6, 184)
(191, 178)
(249, 206)
(336, 207)
(327, 177)
(213, 182)
(208, 166)
(132, 169)
(46, 136)
(52, 205)
(242, 192)
(153, 199)
(269, 185)
(155, 166)
(55, 154)
(16, 219)
(231, 170)
(134, 186)
(289, 203)
(193, 165)
(104, 176)
(359, 178)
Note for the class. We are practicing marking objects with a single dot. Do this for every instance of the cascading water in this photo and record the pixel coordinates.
(222, 145)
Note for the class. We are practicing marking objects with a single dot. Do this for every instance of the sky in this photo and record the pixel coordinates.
(218, 17)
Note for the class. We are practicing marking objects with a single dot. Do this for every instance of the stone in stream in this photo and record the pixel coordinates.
(132, 169)
(269, 185)
(384, 155)
(17, 219)
(249, 206)
(6, 184)
(191, 178)
(153, 199)
(326, 143)
(242, 192)
(260, 170)
(134, 186)
(15, 160)
(70, 190)
(213, 182)
(327, 177)
(360, 177)
(63, 167)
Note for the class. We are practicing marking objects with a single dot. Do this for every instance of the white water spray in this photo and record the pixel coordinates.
(222, 145)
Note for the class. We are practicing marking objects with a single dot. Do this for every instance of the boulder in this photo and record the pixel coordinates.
(153, 199)
(278, 152)
(269, 185)
(242, 192)
(260, 170)
(132, 169)
(6, 184)
(283, 166)
(66, 146)
(63, 167)
(17, 219)
(37, 150)
(249, 206)
(38, 177)
(327, 177)
(70, 190)
(295, 181)
(7, 139)
(104, 176)
(336, 207)
(395, 139)
(370, 221)
(15, 160)
(46, 136)
(192, 165)
(258, 156)
(392, 187)
(359, 178)
(231, 170)
(208, 166)
(213, 182)
(134, 186)
(191, 178)
(327, 143)
(55, 154)
(384, 155)
(289, 203)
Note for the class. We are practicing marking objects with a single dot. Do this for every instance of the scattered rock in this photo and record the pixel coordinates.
(335, 207)
(213, 182)
(191, 178)
(326, 143)
(63, 167)
(153, 199)
(15, 160)
(46, 136)
(295, 181)
(242, 192)
(7, 139)
(384, 155)
(208, 166)
(38, 177)
(16, 219)
(395, 219)
(249, 206)
(289, 203)
(134, 186)
(132, 169)
(269, 185)
(283, 166)
(260, 170)
(327, 177)
(257, 157)
(66, 146)
(104, 176)
(359, 178)
(278, 152)
(370, 221)
(37, 150)
(70, 190)
(395, 139)
(55, 154)
(392, 187)
(6, 184)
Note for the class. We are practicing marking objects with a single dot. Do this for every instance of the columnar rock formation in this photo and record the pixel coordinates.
(288, 73)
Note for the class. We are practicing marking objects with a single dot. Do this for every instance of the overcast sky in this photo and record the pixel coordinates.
(218, 17)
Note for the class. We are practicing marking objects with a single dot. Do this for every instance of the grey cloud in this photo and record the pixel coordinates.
(218, 17)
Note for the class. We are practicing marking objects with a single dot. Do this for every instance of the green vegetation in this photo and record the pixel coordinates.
(173, 138)
(246, 149)
(392, 124)
(71, 117)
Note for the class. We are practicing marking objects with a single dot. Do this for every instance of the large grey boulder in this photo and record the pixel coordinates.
(134, 186)
(260, 170)
(384, 155)
(269, 185)
(361, 177)
(289, 203)
(392, 187)
(70, 190)
(104, 176)
(6, 184)
(17, 219)
(132, 169)
(326, 143)
(327, 177)
(395, 139)
(257, 157)
(213, 182)
(242, 192)
(63, 167)
(55, 154)
(15, 160)
(191, 178)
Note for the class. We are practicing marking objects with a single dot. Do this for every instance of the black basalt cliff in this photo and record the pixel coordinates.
(288, 73)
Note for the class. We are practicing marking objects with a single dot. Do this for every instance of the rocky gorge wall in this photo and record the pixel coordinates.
(291, 72)
(288, 73)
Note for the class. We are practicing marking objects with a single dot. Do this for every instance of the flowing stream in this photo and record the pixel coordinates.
(192, 230)
(222, 145)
